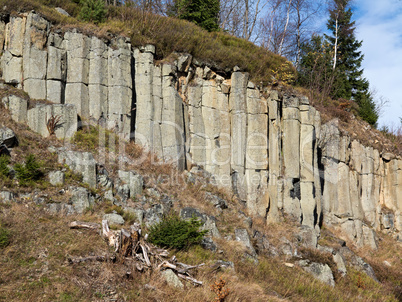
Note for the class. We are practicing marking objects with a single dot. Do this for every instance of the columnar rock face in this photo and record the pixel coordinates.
(93, 75)
(268, 147)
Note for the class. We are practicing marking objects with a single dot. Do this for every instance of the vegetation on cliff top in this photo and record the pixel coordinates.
(218, 49)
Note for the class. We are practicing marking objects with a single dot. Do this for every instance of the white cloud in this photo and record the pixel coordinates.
(379, 25)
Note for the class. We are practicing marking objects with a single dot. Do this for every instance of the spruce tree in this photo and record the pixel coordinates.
(349, 82)
(204, 13)
(93, 10)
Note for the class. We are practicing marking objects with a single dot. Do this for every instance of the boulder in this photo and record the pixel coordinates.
(216, 200)
(123, 191)
(8, 137)
(61, 208)
(172, 279)
(114, 218)
(133, 180)
(319, 271)
(81, 199)
(208, 244)
(56, 178)
(357, 262)
(340, 263)
(242, 236)
(307, 236)
(209, 222)
(262, 243)
(6, 196)
(80, 162)
(62, 11)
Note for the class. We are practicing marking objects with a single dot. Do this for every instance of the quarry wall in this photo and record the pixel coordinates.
(270, 148)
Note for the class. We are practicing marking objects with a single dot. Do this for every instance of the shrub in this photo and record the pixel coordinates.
(204, 13)
(29, 172)
(93, 10)
(4, 237)
(4, 162)
(173, 232)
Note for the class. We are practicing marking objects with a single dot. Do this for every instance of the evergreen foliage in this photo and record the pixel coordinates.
(173, 232)
(315, 64)
(332, 64)
(4, 162)
(29, 172)
(204, 13)
(93, 10)
(349, 81)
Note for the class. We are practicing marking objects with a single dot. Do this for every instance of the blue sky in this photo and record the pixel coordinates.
(379, 25)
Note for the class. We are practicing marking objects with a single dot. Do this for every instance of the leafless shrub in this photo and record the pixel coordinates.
(53, 123)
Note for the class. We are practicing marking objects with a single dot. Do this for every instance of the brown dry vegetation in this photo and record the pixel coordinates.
(220, 50)
(34, 265)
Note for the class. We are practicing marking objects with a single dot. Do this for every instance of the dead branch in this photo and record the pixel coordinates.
(84, 225)
(195, 281)
(130, 246)
(53, 123)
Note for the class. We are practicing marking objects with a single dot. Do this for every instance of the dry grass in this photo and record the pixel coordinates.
(218, 49)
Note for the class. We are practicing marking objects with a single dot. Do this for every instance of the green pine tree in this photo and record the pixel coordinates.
(93, 10)
(349, 82)
(204, 13)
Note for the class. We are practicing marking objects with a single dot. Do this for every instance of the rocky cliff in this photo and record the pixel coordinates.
(269, 147)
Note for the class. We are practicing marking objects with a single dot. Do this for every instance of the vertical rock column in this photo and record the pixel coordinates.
(392, 187)
(398, 212)
(291, 156)
(77, 46)
(223, 150)
(370, 195)
(157, 101)
(217, 129)
(120, 84)
(144, 67)
(318, 171)
(11, 60)
(35, 56)
(329, 145)
(274, 196)
(256, 164)
(172, 127)
(56, 69)
(98, 79)
(238, 124)
(342, 208)
(197, 139)
(307, 164)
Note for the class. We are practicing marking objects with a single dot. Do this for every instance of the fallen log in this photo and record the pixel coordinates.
(195, 281)
(84, 225)
(131, 247)
(112, 237)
